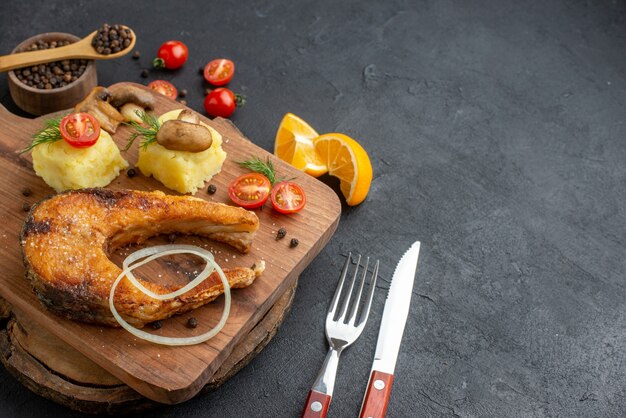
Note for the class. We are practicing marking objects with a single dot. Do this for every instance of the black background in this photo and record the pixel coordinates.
(496, 132)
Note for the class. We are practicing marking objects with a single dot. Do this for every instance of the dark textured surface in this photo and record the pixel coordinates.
(497, 135)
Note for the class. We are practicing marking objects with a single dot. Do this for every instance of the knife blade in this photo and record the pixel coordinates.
(392, 324)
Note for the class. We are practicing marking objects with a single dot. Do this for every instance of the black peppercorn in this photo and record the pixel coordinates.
(131, 173)
(144, 73)
(192, 322)
(136, 55)
(25, 207)
(171, 238)
(281, 234)
(293, 243)
(156, 324)
(201, 70)
(182, 93)
(26, 192)
(211, 189)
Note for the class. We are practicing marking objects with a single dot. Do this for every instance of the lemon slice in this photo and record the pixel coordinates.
(348, 161)
(294, 144)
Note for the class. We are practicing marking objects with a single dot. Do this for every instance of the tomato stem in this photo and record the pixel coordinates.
(158, 63)
(240, 100)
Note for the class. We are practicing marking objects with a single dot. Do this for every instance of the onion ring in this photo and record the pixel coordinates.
(152, 253)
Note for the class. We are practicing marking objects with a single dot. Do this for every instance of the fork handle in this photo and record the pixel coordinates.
(316, 405)
(377, 395)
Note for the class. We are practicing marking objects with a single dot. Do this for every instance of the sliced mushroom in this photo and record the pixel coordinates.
(132, 112)
(187, 115)
(97, 104)
(178, 135)
(122, 94)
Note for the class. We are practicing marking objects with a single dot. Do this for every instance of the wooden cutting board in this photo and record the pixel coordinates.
(166, 374)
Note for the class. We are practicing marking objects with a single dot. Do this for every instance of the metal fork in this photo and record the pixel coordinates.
(340, 333)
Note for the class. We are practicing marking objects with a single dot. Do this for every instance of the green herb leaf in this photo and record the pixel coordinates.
(266, 168)
(49, 134)
(148, 134)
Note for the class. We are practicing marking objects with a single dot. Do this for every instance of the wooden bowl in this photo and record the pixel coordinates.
(39, 101)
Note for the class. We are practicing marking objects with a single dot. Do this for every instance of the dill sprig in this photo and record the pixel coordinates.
(148, 134)
(49, 134)
(258, 166)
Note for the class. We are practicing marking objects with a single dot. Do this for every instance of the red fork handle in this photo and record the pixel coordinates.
(377, 395)
(316, 405)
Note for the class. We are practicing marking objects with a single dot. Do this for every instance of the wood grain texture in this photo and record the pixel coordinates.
(168, 374)
(316, 405)
(59, 373)
(377, 395)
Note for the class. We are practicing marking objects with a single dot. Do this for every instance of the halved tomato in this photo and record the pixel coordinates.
(288, 197)
(165, 88)
(250, 190)
(219, 71)
(80, 130)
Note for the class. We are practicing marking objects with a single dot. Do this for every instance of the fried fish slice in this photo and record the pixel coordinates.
(66, 240)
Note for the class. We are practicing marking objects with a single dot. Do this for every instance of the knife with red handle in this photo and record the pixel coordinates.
(390, 335)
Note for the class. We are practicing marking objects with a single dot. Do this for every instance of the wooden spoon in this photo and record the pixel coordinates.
(81, 49)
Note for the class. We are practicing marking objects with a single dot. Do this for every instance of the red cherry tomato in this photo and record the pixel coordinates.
(80, 130)
(288, 197)
(171, 55)
(219, 71)
(220, 102)
(165, 88)
(250, 190)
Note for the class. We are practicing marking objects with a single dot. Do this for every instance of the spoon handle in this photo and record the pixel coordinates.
(26, 59)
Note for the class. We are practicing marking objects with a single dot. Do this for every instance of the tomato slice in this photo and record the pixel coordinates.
(288, 197)
(219, 71)
(250, 190)
(80, 130)
(165, 88)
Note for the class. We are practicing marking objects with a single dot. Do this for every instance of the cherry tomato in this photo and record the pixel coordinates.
(80, 130)
(288, 197)
(222, 102)
(219, 71)
(250, 190)
(165, 88)
(171, 55)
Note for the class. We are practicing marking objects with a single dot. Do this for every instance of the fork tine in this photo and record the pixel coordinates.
(344, 308)
(357, 301)
(335, 301)
(370, 296)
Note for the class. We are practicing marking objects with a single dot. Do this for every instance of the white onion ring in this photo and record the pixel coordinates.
(152, 253)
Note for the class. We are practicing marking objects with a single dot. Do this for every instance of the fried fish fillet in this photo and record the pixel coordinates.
(66, 240)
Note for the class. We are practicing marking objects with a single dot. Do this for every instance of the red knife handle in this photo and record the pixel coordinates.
(316, 405)
(377, 395)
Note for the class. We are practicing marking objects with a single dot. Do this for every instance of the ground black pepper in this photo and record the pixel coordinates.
(294, 243)
(211, 189)
(111, 39)
(192, 322)
(281, 234)
(52, 74)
